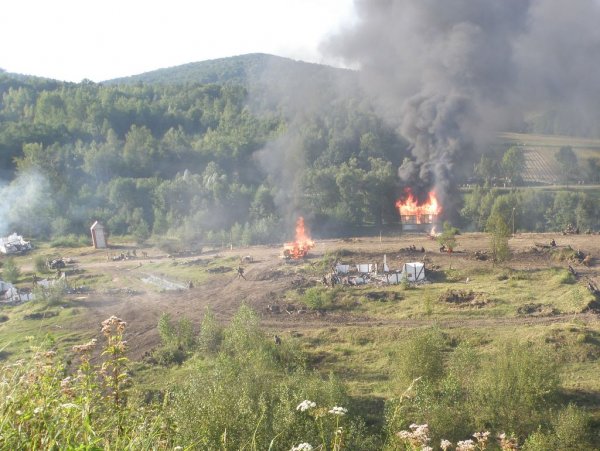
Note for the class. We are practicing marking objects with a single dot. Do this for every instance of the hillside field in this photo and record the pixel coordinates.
(532, 298)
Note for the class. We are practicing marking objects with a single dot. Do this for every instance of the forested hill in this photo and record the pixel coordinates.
(234, 161)
(246, 70)
(197, 161)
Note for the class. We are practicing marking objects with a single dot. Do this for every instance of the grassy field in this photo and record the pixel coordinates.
(359, 333)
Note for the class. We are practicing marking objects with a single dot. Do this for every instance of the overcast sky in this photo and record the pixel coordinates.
(99, 40)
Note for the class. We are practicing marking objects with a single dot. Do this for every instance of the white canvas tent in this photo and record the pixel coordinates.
(413, 272)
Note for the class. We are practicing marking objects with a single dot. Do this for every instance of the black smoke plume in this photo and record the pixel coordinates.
(451, 74)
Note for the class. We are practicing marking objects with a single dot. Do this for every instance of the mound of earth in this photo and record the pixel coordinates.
(382, 296)
(464, 298)
(537, 309)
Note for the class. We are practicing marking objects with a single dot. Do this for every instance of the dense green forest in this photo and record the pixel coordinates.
(234, 156)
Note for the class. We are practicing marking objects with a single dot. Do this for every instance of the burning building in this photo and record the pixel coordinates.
(418, 216)
(299, 248)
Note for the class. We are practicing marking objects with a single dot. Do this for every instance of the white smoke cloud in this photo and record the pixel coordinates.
(24, 204)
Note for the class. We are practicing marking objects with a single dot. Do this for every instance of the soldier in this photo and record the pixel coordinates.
(553, 243)
(240, 273)
(277, 340)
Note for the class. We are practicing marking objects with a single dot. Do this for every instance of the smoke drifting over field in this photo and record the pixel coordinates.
(451, 73)
(24, 204)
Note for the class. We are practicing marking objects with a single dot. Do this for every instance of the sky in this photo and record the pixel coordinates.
(73, 40)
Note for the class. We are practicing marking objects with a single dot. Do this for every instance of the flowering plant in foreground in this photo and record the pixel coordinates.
(43, 405)
(417, 439)
(302, 447)
(310, 407)
(306, 405)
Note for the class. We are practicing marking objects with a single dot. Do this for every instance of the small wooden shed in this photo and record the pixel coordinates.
(98, 236)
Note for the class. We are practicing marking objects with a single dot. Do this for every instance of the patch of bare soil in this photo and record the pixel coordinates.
(464, 298)
(270, 278)
(537, 310)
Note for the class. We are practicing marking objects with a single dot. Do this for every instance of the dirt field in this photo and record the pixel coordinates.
(269, 279)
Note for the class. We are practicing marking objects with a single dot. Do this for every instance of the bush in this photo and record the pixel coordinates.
(252, 390)
(570, 430)
(169, 355)
(515, 388)
(177, 339)
(211, 333)
(51, 296)
(10, 271)
(39, 263)
(319, 298)
(71, 240)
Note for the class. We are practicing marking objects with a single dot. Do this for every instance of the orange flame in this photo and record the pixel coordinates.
(413, 212)
(300, 247)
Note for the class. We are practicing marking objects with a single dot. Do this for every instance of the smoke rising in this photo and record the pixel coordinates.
(24, 203)
(450, 74)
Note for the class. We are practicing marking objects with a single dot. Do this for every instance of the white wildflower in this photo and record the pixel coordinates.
(305, 405)
(302, 447)
(38, 410)
(445, 444)
(481, 435)
(178, 448)
(465, 445)
(339, 410)
(404, 435)
(426, 448)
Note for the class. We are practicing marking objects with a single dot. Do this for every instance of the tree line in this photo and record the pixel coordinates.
(197, 162)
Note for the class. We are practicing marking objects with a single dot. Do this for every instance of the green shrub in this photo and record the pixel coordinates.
(211, 333)
(10, 271)
(515, 388)
(178, 340)
(247, 397)
(319, 298)
(169, 355)
(570, 430)
(51, 296)
(39, 264)
(71, 240)
(422, 356)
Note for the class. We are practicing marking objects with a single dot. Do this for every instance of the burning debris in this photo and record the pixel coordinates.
(418, 216)
(14, 244)
(299, 248)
